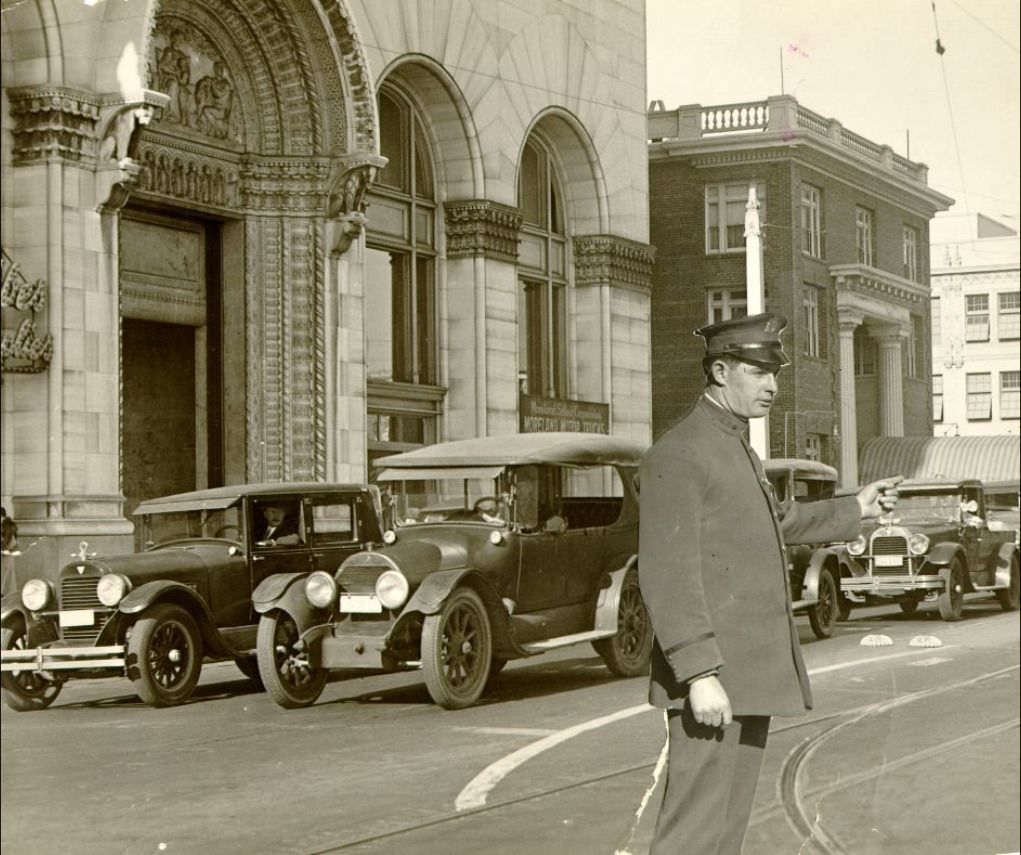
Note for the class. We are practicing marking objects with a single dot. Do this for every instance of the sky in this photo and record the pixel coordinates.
(873, 65)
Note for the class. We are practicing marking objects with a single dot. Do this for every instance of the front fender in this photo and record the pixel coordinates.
(144, 596)
(821, 558)
(11, 606)
(1005, 557)
(272, 588)
(435, 588)
(942, 554)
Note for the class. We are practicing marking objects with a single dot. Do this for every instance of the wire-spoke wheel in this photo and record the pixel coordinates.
(457, 648)
(164, 655)
(286, 673)
(25, 691)
(627, 653)
(823, 615)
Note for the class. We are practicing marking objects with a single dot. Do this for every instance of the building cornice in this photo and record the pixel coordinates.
(877, 283)
(480, 227)
(600, 259)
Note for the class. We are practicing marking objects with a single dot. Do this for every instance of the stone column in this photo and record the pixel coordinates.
(891, 385)
(848, 405)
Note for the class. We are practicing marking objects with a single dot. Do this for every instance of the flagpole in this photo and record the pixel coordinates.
(755, 295)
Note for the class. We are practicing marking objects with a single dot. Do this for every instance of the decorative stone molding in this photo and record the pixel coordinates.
(879, 283)
(24, 352)
(350, 177)
(617, 260)
(121, 124)
(480, 227)
(187, 173)
(53, 121)
(284, 185)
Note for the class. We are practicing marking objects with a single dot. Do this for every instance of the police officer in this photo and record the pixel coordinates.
(713, 575)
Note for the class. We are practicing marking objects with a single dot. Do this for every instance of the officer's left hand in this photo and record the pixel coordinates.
(879, 497)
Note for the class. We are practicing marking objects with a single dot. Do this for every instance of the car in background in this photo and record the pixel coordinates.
(495, 548)
(813, 570)
(938, 544)
(155, 615)
(1002, 506)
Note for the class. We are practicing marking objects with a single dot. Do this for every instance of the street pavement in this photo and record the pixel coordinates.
(909, 749)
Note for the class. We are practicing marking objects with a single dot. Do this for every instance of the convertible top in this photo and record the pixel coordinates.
(561, 448)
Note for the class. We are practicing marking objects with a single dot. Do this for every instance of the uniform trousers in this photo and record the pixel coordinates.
(711, 775)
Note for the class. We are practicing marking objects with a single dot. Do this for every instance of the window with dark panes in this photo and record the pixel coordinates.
(724, 304)
(865, 354)
(937, 398)
(542, 265)
(863, 235)
(400, 319)
(811, 220)
(725, 208)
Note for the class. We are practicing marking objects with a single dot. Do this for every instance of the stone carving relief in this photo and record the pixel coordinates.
(616, 260)
(188, 176)
(189, 69)
(481, 227)
(350, 177)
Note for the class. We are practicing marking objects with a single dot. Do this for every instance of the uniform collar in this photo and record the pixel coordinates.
(722, 418)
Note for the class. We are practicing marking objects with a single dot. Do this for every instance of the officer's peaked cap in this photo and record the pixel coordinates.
(752, 339)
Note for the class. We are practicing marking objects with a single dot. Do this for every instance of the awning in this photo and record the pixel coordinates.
(438, 473)
(987, 458)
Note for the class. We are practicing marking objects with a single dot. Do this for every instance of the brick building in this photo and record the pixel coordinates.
(845, 236)
(267, 240)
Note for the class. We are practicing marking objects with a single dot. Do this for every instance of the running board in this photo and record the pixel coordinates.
(566, 640)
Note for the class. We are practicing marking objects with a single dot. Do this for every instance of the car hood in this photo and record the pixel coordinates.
(415, 556)
(932, 528)
(169, 562)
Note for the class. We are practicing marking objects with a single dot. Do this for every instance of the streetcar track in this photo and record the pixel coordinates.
(793, 793)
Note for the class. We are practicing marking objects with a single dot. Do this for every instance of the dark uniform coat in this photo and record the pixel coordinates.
(712, 566)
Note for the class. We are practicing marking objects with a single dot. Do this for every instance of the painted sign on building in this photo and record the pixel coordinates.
(541, 415)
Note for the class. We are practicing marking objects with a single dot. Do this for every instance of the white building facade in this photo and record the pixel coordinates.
(976, 327)
(268, 240)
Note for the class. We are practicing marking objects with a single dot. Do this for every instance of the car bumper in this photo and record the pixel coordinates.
(63, 658)
(890, 586)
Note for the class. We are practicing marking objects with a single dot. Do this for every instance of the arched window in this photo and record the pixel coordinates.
(400, 284)
(542, 265)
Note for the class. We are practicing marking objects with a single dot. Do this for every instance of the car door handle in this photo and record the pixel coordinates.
(258, 558)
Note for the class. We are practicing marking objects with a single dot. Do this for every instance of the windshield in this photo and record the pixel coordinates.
(929, 508)
(448, 500)
(181, 525)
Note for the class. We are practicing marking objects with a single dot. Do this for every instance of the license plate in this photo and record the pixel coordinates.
(78, 617)
(889, 561)
(365, 604)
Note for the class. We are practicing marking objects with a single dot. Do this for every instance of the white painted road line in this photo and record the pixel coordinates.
(476, 792)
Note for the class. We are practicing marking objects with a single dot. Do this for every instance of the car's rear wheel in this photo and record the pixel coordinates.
(951, 598)
(284, 666)
(164, 655)
(823, 615)
(457, 650)
(1008, 596)
(627, 653)
(25, 691)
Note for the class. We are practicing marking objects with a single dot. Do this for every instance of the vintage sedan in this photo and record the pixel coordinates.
(155, 615)
(937, 544)
(496, 548)
(813, 570)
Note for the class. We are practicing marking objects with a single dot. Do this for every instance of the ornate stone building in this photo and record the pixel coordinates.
(261, 240)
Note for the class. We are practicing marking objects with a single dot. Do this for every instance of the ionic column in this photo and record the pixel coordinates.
(891, 385)
(848, 404)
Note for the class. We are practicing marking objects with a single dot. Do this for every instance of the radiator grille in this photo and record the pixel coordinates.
(360, 580)
(79, 592)
(889, 545)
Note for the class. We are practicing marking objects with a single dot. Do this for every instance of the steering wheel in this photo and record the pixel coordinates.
(489, 505)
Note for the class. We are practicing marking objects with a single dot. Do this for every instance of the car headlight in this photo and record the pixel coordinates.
(321, 589)
(858, 545)
(112, 588)
(389, 537)
(918, 544)
(36, 594)
(392, 589)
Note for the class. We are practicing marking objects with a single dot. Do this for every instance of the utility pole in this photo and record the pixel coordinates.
(756, 295)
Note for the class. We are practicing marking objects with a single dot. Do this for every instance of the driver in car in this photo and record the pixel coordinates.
(281, 527)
